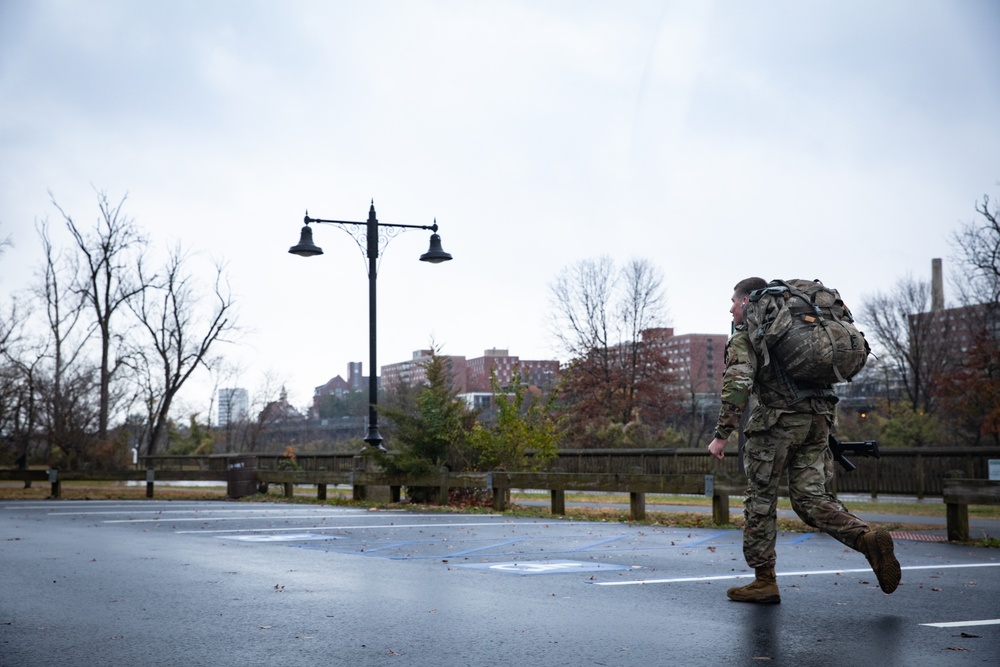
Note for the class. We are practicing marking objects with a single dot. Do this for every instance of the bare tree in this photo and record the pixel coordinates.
(105, 284)
(581, 297)
(971, 394)
(978, 248)
(609, 320)
(12, 405)
(67, 384)
(248, 433)
(908, 336)
(179, 335)
(692, 383)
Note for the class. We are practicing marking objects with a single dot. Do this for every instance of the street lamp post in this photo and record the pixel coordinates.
(375, 236)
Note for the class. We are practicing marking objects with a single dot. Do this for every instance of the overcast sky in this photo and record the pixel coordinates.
(840, 140)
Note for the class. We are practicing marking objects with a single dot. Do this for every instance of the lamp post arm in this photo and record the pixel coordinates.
(309, 220)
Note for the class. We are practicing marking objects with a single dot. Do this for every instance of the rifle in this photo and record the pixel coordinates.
(864, 448)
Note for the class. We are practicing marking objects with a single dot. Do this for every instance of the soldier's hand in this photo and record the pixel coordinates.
(716, 447)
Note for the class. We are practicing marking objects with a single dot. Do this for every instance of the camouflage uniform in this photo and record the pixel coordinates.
(788, 429)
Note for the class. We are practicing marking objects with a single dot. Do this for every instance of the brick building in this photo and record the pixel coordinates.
(472, 375)
(541, 373)
(412, 372)
(696, 360)
(339, 387)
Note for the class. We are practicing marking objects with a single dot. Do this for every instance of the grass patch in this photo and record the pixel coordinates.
(108, 491)
(931, 507)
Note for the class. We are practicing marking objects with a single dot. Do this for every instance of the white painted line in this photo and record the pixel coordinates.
(375, 527)
(331, 512)
(273, 517)
(543, 567)
(171, 519)
(102, 503)
(963, 624)
(784, 574)
(243, 517)
(295, 537)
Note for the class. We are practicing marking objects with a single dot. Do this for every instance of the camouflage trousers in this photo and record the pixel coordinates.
(796, 443)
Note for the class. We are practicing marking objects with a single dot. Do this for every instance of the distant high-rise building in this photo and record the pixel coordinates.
(234, 405)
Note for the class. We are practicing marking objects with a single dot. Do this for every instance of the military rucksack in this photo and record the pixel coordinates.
(804, 329)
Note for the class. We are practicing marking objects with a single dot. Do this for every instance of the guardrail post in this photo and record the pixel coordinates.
(499, 497)
(359, 492)
(442, 495)
(289, 489)
(637, 505)
(957, 514)
(395, 493)
(875, 475)
(321, 487)
(558, 501)
(56, 484)
(720, 500)
(920, 476)
(150, 476)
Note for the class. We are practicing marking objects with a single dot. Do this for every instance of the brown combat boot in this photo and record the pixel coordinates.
(762, 590)
(876, 545)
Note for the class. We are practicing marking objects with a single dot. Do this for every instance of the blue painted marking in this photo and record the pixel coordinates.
(597, 544)
(435, 549)
(709, 538)
(456, 554)
(391, 545)
(347, 550)
(801, 538)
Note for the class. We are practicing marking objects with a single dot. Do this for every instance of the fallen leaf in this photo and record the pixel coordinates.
(966, 635)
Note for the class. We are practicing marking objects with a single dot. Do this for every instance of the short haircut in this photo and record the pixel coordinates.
(747, 285)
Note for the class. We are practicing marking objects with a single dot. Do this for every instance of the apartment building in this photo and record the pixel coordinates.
(234, 405)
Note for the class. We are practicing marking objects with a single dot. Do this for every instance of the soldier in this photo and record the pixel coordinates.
(786, 431)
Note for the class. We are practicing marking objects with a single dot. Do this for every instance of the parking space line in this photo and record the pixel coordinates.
(383, 526)
(963, 624)
(750, 575)
(213, 511)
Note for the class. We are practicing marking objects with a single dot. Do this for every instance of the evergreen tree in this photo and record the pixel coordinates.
(429, 429)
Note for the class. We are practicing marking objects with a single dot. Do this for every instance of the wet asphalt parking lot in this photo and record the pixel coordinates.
(230, 583)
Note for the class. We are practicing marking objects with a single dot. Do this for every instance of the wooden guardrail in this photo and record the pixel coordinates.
(913, 471)
(57, 477)
(959, 493)
(500, 483)
(719, 487)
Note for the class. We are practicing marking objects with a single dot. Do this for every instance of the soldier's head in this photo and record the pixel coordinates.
(741, 294)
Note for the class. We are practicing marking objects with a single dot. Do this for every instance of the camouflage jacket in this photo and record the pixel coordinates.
(745, 377)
